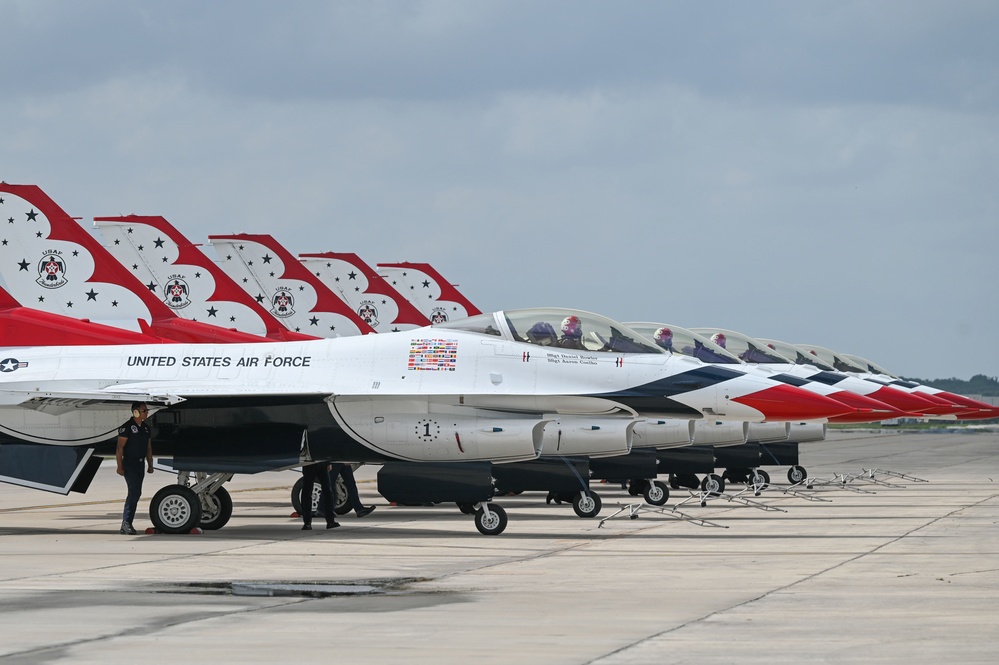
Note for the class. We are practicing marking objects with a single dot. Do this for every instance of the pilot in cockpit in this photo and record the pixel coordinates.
(719, 339)
(572, 333)
(542, 333)
(664, 338)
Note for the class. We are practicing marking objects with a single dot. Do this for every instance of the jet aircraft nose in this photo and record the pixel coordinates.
(907, 402)
(783, 402)
(867, 409)
(966, 408)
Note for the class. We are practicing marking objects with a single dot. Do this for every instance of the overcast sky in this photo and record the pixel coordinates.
(820, 172)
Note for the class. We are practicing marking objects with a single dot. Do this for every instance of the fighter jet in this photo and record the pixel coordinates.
(478, 390)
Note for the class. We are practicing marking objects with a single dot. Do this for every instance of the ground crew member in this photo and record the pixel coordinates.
(311, 473)
(134, 445)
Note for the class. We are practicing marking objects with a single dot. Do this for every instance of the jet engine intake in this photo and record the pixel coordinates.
(662, 433)
(423, 431)
(769, 432)
(720, 432)
(587, 435)
(804, 432)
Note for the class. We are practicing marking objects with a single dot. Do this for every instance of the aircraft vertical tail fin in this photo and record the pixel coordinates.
(364, 290)
(435, 297)
(191, 284)
(276, 279)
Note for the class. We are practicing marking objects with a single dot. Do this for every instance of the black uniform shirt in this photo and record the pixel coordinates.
(138, 439)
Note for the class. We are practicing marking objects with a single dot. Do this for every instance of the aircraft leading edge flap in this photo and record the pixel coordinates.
(56, 469)
(57, 402)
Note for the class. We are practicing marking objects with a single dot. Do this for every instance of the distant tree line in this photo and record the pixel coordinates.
(978, 385)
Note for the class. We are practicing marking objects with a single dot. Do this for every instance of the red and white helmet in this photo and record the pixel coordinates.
(572, 326)
(719, 339)
(663, 337)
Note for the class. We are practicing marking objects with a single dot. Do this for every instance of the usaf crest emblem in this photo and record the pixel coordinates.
(283, 304)
(176, 293)
(51, 270)
(368, 313)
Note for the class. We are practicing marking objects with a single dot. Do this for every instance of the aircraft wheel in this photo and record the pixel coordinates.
(674, 483)
(656, 493)
(296, 496)
(317, 491)
(713, 484)
(586, 504)
(341, 503)
(219, 512)
(796, 474)
(636, 486)
(175, 509)
(759, 479)
(492, 524)
(466, 508)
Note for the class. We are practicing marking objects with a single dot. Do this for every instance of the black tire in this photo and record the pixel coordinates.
(796, 474)
(674, 483)
(495, 524)
(759, 479)
(466, 508)
(296, 496)
(656, 493)
(218, 517)
(175, 509)
(713, 484)
(341, 501)
(317, 491)
(636, 486)
(586, 504)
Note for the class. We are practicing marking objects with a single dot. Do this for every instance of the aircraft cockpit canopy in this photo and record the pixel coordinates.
(674, 339)
(559, 328)
(841, 363)
(743, 347)
(799, 356)
(873, 368)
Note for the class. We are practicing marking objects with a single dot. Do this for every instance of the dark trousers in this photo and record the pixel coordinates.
(134, 472)
(310, 474)
(346, 472)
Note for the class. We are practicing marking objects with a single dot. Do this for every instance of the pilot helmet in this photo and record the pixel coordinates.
(572, 327)
(664, 337)
(719, 339)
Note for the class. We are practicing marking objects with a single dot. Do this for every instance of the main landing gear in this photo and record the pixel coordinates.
(195, 502)
(655, 492)
(585, 503)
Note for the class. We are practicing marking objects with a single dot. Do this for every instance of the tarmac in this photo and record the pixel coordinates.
(905, 572)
